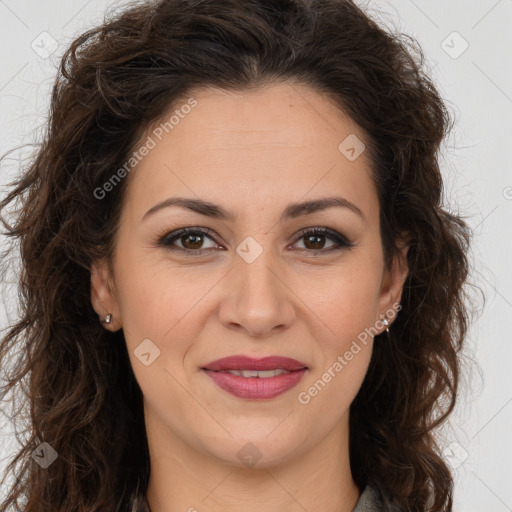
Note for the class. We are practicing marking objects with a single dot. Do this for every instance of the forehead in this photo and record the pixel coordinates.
(256, 147)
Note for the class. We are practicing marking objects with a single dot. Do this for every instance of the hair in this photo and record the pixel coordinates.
(114, 81)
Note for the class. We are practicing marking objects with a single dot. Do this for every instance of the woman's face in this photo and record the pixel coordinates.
(254, 286)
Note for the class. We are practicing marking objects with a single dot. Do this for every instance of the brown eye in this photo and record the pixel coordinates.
(192, 241)
(315, 240)
(188, 240)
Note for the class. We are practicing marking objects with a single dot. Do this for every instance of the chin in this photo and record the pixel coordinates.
(254, 452)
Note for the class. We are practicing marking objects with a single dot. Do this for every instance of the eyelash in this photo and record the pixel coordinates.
(168, 239)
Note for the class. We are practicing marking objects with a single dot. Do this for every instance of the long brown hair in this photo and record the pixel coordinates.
(116, 80)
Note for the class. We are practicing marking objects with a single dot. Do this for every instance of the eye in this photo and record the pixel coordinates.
(190, 240)
(315, 240)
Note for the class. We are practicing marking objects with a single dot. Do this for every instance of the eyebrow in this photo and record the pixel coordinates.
(292, 211)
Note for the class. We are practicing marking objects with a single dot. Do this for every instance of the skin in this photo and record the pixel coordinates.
(253, 153)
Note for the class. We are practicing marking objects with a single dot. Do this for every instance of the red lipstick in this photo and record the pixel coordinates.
(255, 379)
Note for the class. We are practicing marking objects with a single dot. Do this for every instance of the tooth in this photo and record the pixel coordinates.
(264, 374)
(268, 373)
(250, 373)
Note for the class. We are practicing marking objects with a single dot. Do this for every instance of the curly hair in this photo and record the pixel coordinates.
(116, 80)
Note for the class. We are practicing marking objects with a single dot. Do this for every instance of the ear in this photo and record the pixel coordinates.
(392, 284)
(103, 296)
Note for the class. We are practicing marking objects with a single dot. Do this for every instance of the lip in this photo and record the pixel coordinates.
(255, 388)
(249, 363)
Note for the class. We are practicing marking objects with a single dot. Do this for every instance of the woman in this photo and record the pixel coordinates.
(240, 290)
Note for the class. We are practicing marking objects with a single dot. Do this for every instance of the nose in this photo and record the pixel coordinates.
(256, 298)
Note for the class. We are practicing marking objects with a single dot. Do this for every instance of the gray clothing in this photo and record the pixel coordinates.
(369, 501)
(372, 500)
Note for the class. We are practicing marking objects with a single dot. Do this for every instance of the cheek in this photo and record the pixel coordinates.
(168, 305)
(158, 305)
(156, 297)
(346, 299)
(347, 308)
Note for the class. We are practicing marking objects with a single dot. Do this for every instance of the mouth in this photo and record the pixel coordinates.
(255, 379)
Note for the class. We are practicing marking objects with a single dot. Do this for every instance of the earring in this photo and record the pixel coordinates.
(386, 323)
(107, 319)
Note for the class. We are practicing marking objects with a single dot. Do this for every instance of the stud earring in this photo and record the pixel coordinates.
(107, 319)
(386, 323)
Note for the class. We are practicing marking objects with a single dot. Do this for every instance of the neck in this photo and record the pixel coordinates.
(186, 478)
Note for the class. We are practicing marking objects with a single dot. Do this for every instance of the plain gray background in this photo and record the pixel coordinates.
(468, 45)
